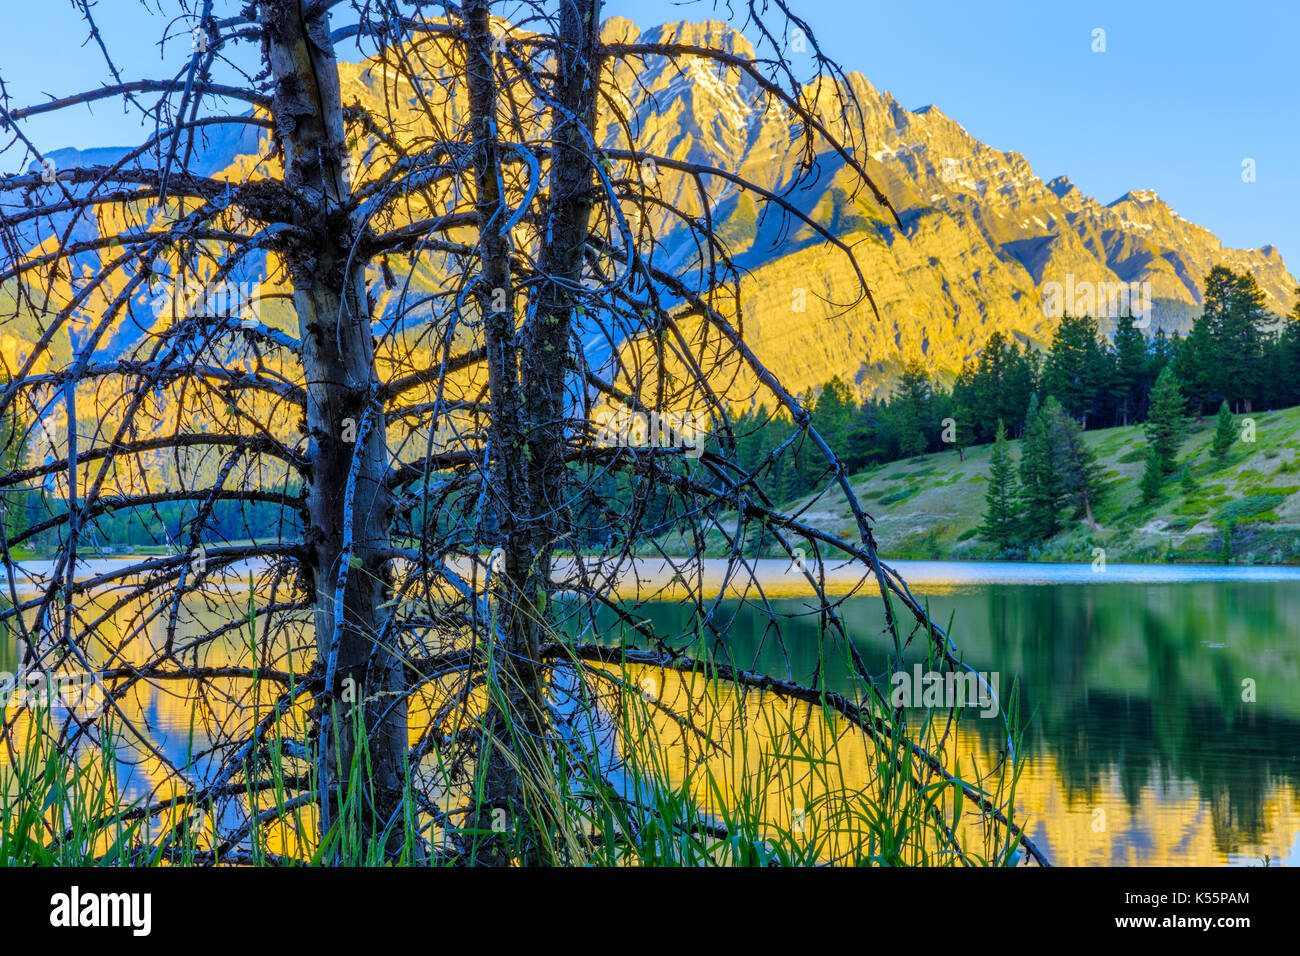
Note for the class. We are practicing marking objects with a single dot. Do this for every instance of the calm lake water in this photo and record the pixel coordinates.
(1144, 745)
(1140, 748)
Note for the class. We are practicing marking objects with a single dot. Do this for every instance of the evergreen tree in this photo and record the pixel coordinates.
(1077, 463)
(833, 414)
(1000, 518)
(1130, 380)
(912, 404)
(1042, 485)
(1286, 376)
(911, 440)
(941, 409)
(996, 386)
(1152, 478)
(1225, 432)
(868, 443)
(1164, 350)
(964, 420)
(986, 380)
(1024, 369)
(1164, 424)
(1078, 370)
(1196, 367)
(749, 428)
(1031, 410)
(805, 464)
(1235, 314)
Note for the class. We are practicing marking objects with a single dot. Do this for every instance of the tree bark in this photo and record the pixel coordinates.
(512, 721)
(528, 402)
(362, 735)
(548, 336)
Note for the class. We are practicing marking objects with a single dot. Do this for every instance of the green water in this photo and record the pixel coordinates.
(1138, 695)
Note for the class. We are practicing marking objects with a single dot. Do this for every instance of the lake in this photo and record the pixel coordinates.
(1162, 703)
(1132, 682)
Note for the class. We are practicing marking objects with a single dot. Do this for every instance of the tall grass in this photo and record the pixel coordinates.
(701, 772)
(59, 809)
(646, 767)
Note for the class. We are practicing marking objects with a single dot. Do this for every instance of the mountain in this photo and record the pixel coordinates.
(982, 235)
(983, 239)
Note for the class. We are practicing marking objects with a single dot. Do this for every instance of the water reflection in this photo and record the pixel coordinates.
(1164, 717)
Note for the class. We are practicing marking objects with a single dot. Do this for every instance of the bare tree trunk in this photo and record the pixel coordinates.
(548, 336)
(363, 725)
(528, 403)
(512, 721)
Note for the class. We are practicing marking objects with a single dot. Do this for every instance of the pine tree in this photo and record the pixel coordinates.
(833, 414)
(805, 465)
(1000, 517)
(752, 428)
(1287, 380)
(1164, 424)
(912, 402)
(1130, 380)
(965, 427)
(1078, 369)
(1225, 432)
(1077, 465)
(868, 441)
(1196, 365)
(996, 386)
(1042, 486)
(911, 440)
(1031, 410)
(1235, 313)
(984, 384)
(1152, 478)
(1023, 371)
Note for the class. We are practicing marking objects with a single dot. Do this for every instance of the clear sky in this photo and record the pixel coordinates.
(1184, 92)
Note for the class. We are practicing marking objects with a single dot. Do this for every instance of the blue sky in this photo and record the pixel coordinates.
(1184, 92)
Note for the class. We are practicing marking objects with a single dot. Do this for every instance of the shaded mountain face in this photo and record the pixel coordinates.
(985, 244)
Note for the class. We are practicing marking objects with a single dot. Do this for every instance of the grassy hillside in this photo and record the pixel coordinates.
(1242, 510)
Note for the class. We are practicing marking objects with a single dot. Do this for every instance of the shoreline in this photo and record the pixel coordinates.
(651, 578)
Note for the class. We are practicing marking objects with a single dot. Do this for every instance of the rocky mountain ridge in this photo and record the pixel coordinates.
(982, 236)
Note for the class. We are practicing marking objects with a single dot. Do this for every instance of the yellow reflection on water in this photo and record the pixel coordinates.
(799, 768)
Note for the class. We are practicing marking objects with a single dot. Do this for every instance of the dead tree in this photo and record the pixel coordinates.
(461, 251)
